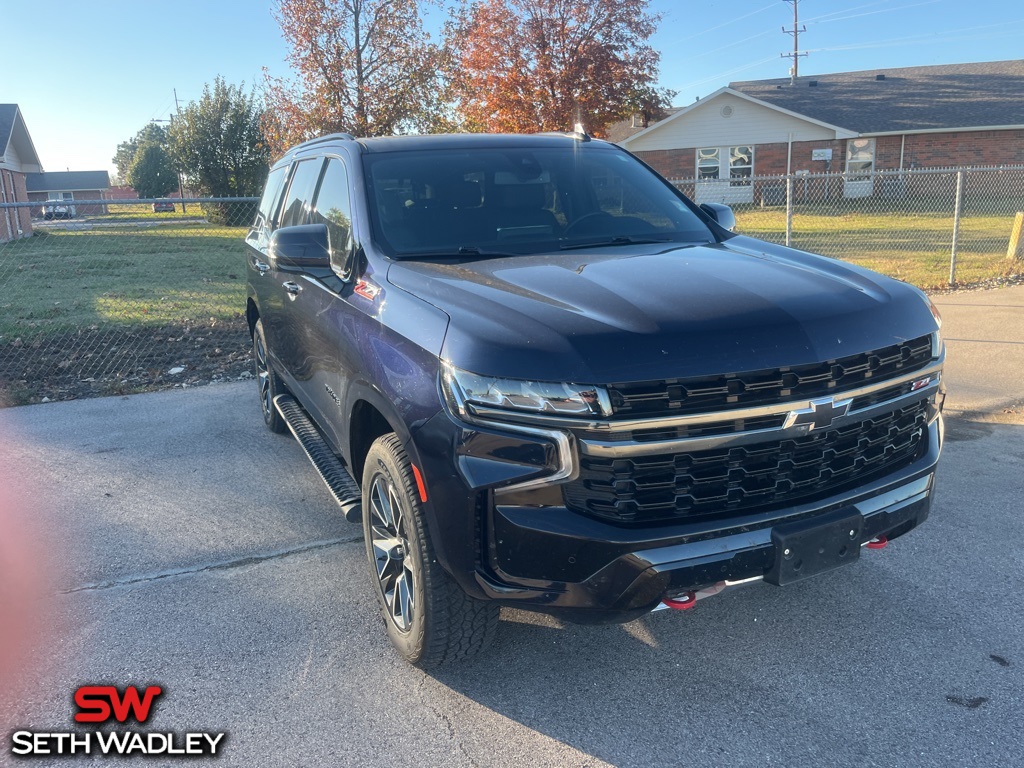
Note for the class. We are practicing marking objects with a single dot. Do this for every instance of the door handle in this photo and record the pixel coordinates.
(260, 266)
(292, 289)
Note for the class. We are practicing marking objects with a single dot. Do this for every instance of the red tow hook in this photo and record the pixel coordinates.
(684, 602)
(879, 542)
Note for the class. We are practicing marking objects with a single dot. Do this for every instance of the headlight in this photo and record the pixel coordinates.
(937, 335)
(551, 398)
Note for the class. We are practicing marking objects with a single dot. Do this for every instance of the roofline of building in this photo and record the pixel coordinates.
(18, 116)
(841, 133)
(65, 189)
(952, 129)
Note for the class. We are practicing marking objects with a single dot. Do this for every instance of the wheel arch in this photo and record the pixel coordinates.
(370, 418)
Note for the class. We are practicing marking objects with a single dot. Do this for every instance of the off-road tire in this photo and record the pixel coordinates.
(444, 624)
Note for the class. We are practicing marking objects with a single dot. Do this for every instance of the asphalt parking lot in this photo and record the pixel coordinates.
(191, 548)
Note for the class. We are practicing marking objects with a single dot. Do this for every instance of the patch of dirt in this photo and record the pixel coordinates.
(982, 285)
(95, 362)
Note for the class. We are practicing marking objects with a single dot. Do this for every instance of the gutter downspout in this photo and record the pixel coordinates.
(789, 154)
(903, 145)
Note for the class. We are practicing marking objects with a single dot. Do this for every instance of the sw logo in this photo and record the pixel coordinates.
(97, 703)
(106, 703)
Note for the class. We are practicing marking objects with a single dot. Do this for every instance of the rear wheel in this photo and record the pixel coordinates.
(270, 385)
(429, 619)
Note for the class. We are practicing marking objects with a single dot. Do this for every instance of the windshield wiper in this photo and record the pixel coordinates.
(463, 252)
(618, 240)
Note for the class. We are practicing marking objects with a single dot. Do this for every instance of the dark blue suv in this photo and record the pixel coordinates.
(542, 377)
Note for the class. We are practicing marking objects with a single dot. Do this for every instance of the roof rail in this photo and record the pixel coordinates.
(578, 135)
(332, 137)
(322, 140)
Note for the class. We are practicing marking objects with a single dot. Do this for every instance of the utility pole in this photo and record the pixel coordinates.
(794, 71)
(181, 187)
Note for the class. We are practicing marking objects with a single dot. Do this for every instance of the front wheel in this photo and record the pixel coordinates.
(429, 619)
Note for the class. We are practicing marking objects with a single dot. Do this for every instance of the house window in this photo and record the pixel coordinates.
(60, 195)
(707, 164)
(741, 166)
(733, 163)
(860, 158)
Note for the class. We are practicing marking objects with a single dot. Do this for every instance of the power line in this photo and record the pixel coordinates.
(727, 23)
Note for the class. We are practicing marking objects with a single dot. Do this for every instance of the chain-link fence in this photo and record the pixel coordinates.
(930, 227)
(104, 297)
(124, 296)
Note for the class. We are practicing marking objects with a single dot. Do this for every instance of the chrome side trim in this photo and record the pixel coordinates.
(686, 444)
(667, 422)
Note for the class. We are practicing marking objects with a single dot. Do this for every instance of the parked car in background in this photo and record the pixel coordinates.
(58, 209)
(163, 206)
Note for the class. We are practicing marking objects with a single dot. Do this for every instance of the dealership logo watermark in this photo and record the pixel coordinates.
(102, 704)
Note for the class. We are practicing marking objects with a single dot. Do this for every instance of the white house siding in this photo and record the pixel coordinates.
(11, 160)
(722, 122)
(749, 124)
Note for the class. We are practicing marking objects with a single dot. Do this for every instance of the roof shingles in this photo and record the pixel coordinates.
(907, 99)
(67, 181)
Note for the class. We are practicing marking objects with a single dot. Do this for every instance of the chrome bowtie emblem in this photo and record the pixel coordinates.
(820, 415)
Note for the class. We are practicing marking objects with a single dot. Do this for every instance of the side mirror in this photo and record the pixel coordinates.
(300, 248)
(722, 214)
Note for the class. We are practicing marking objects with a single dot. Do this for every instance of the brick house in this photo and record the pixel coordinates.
(17, 158)
(70, 186)
(852, 122)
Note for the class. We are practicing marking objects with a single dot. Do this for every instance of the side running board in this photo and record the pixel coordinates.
(332, 470)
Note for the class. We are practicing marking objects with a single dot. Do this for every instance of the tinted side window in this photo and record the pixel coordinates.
(271, 194)
(332, 208)
(300, 192)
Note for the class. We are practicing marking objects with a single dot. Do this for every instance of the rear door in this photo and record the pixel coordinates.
(286, 335)
(258, 238)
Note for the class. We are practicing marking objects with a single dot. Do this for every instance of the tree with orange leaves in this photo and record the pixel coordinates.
(365, 67)
(538, 65)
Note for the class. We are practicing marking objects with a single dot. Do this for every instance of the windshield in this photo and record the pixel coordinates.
(502, 201)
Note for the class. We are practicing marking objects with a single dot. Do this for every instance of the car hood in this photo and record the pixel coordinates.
(633, 313)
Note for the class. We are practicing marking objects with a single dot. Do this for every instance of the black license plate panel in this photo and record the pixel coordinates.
(809, 547)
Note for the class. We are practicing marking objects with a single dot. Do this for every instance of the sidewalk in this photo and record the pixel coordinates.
(984, 333)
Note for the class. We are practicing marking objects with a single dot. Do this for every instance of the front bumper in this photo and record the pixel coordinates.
(601, 573)
(505, 533)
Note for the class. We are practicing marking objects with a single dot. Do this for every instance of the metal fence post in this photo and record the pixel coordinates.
(956, 225)
(789, 209)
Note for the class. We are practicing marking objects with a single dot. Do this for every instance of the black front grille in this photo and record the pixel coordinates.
(730, 481)
(670, 397)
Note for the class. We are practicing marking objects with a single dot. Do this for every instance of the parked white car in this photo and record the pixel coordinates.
(57, 209)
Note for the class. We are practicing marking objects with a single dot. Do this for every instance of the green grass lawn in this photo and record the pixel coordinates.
(144, 212)
(911, 246)
(152, 271)
(126, 275)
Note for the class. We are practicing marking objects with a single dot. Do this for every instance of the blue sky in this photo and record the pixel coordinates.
(89, 75)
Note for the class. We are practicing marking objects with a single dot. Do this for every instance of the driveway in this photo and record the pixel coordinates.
(192, 549)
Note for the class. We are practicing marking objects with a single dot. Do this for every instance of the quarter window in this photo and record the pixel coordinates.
(271, 194)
